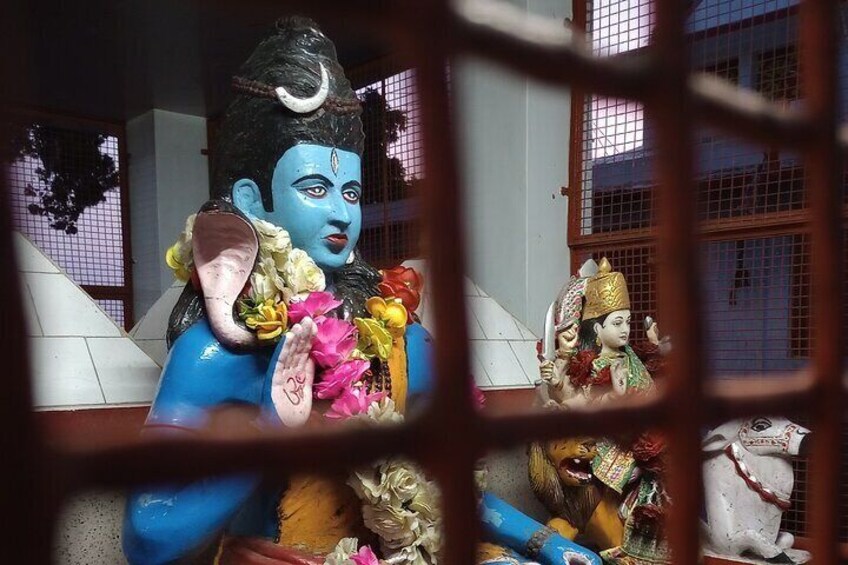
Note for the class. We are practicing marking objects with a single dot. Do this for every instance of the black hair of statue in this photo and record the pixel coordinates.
(587, 336)
(256, 131)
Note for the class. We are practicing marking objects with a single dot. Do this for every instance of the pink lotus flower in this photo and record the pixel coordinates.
(353, 401)
(333, 343)
(365, 556)
(340, 377)
(316, 304)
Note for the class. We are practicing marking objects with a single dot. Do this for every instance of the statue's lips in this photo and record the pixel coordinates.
(336, 241)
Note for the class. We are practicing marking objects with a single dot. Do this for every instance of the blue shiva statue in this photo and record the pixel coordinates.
(290, 155)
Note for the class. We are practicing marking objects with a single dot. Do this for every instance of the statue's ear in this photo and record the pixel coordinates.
(248, 198)
(722, 436)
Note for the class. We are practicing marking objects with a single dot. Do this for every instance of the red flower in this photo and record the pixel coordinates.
(649, 518)
(649, 451)
(580, 368)
(603, 378)
(405, 284)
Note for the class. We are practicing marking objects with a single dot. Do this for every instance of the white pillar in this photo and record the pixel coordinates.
(169, 179)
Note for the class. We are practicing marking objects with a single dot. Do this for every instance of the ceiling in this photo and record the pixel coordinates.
(115, 59)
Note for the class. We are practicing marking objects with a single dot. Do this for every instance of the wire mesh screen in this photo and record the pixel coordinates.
(393, 165)
(65, 196)
(750, 44)
(757, 290)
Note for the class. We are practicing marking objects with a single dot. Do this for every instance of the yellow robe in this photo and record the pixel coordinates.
(315, 512)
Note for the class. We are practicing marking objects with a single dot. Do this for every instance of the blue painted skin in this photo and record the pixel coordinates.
(166, 523)
(312, 201)
(506, 526)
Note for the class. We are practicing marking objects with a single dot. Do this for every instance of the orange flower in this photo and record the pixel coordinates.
(404, 284)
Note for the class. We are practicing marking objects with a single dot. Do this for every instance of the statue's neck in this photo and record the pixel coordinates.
(330, 282)
(611, 351)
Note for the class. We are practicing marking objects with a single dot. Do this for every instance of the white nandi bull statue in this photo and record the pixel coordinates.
(748, 480)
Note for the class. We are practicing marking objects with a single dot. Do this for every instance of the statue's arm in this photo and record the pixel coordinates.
(164, 523)
(506, 526)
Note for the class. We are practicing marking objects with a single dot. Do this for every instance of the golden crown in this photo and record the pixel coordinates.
(605, 292)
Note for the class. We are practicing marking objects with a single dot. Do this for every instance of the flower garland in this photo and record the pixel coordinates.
(282, 273)
(399, 504)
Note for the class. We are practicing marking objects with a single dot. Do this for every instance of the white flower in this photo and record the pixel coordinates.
(396, 527)
(302, 274)
(426, 501)
(367, 485)
(342, 552)
(402, 481)
(431, 539)
(409, 555)
(274, 242)
(381, 412)
(266, 282)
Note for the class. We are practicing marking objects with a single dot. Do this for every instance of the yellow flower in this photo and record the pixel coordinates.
(181, 271)
(179, 256)
(374, 339)
(392, 314)
(270, 321)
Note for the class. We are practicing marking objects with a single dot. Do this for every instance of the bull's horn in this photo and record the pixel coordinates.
(306, 105)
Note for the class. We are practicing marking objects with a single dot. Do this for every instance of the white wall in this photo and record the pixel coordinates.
(169, 179)
(514, 136)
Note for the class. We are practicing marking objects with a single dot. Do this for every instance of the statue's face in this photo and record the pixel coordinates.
(615, 331)
(316, 192)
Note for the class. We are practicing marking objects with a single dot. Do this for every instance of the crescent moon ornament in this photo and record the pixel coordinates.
(305, 105)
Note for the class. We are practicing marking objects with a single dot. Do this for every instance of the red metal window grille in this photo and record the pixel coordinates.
(756, 290)
(393, 162)
(449, 435)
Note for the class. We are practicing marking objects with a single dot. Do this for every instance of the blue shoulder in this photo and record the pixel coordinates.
(201, 373)
(419, 359)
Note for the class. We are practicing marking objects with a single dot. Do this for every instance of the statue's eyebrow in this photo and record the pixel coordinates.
(352, 184)
(320, 178)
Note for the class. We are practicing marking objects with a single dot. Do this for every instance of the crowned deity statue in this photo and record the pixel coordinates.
(606, 492)
(281, 317)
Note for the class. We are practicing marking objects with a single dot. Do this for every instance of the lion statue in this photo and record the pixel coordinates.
(561, 476)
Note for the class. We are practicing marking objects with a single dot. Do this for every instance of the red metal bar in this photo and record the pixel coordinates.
(575, 147)
(671, 109)
(453, 419)
(28, 501)
(819, 52)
